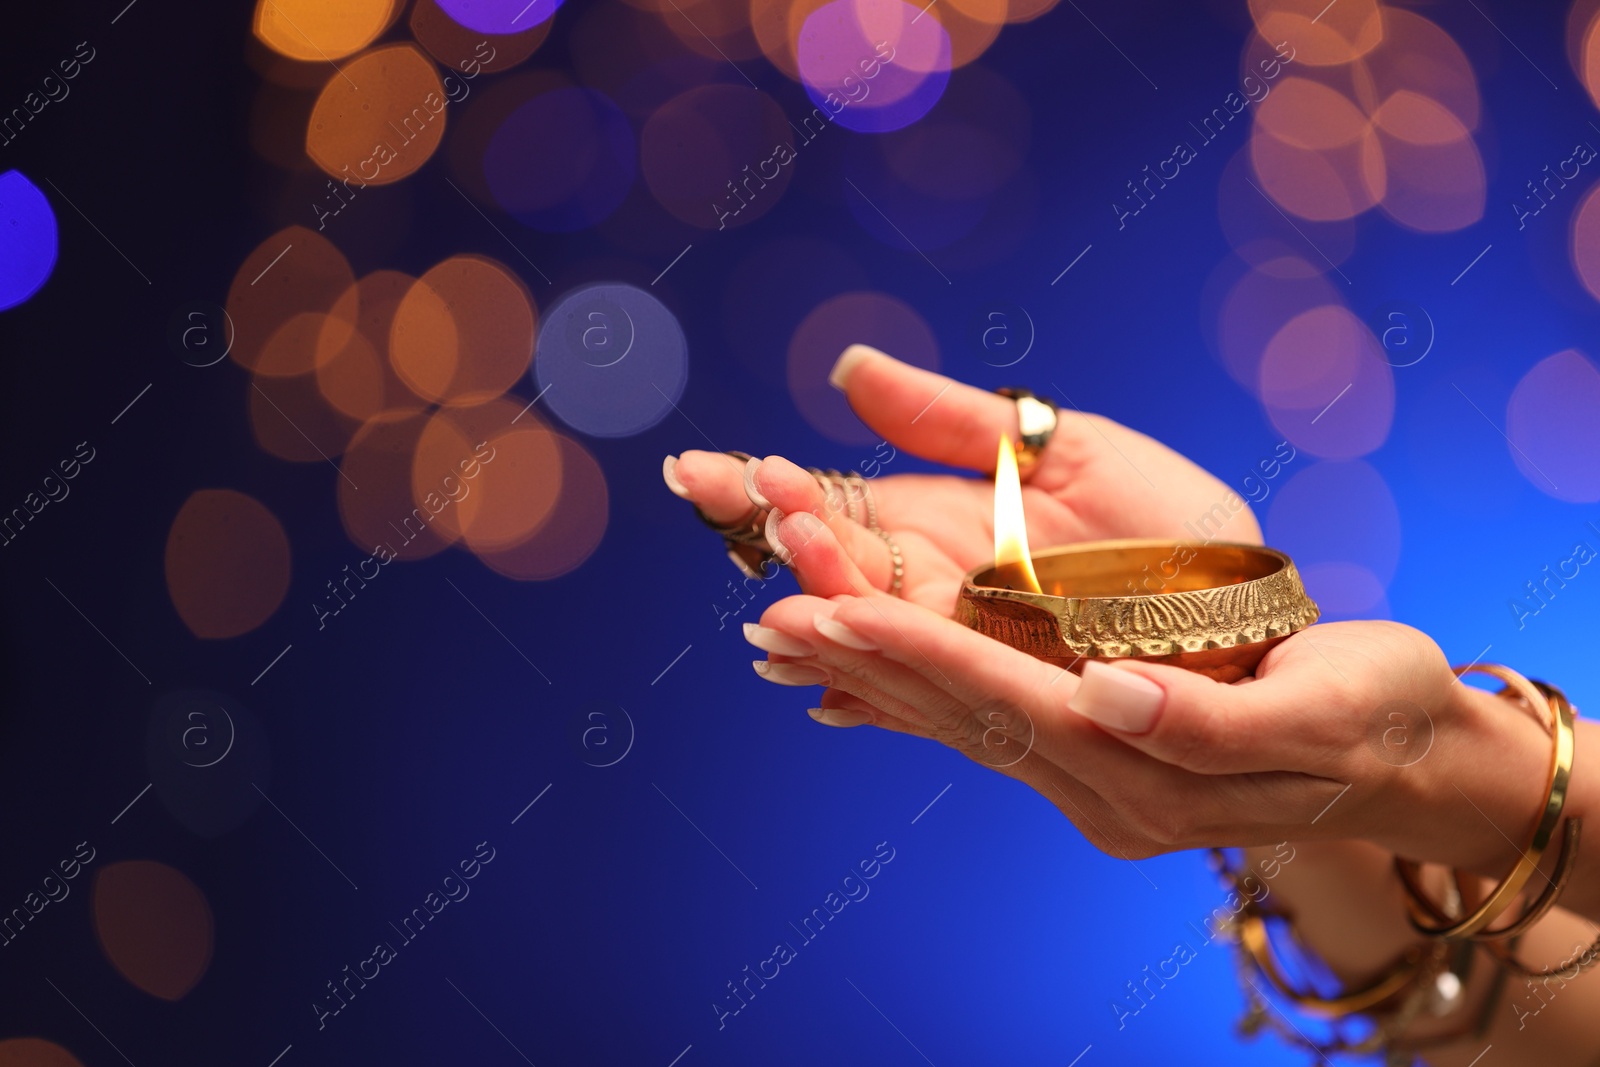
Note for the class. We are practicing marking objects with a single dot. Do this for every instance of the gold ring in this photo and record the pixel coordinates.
(1037, 418)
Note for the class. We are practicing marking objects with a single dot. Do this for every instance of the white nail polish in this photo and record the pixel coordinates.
(750, 489)
(669, 467)
(790, 673)
(848, 360)
(839, 716)
(769, 640)
(779, 550)
(840, 634)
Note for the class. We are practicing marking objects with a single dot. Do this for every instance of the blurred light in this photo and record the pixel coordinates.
(1258, 306)
(292, 419)
(500, 499)
(1325, 385)
(573, 530)
(1321, 34)
(35, 1052)
(1435, 178)
(376, 502)
(1265, 239)
(1337, 513)
(972, 25)
(770, 290)
(293, 271)
(1028, 10)
(1322, 185)
(1551, 427)
(463, 333)
(1308, 114)
(612, 360)
(1345, 591)
(716, 29)
(561, 161)
(460, 49)
(154, 925)
(872, 65)
(314, 30)
(358, 380)
(1418, 56)
(776, 25)
(499, 16)
(1585, 241)
(379, 119)
(28, 239)
(227, 563)
(718, 156)
(1590, 71)
(278, 120)
(968, 149)
(868, 318)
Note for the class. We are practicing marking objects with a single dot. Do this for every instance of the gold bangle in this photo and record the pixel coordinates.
(1561, 749)
(1417, 961)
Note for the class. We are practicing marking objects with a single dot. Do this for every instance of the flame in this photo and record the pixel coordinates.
(1011, 556)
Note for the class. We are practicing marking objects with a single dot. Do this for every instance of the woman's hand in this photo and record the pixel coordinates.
(1095, 479)
(1146, 758)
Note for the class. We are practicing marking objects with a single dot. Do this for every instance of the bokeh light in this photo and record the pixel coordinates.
(718, 156)
(379, 119)
(1341, 514)
(459, 48)
(1550, 423)
(28, 239)
(227, 563)
(1325, 386)
(573, 529)
(376, 503)
(312, 30)
(35, 1052)
(1585, 241)
(497, 465)
(562, 161)
(154, 926)
(871, 65)
(1435, 177)
(1345, 591)
(294, 271)
(499, 16)
(1259, 304)
(868, 318)
(463, 333)
(1322, 34)
(612, 360)
(1418, 56)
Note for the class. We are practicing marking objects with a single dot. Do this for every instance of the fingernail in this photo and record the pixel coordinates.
(769, 640)
(669, 467)
(839, 716)
(790, 673)
(774, 542)
(1117, 699)
(840, 634)
(848, 360)
(750, 489)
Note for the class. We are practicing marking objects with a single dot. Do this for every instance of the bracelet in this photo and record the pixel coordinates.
(1476, 924)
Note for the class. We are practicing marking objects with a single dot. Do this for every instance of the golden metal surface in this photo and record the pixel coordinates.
(1211, 608)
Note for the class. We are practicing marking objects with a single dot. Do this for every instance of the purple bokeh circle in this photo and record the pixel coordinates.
(867, 82)
(28, 239)
(499, 16)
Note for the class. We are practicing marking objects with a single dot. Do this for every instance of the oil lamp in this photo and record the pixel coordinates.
(1211, 607)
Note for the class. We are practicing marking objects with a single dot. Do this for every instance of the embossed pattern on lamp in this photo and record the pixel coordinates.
(1217, 608)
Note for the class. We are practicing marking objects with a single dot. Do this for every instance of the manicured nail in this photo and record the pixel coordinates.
(750, 489)
(790, 673)
(1117, 699)
(848, 360)
(669, 467)
(840, 634)
(774, 521)
(839, 716)
(769, 640)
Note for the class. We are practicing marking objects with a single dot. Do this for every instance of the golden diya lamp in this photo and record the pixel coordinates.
(1211, 607)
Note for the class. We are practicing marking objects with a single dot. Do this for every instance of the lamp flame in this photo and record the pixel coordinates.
(1011, 557)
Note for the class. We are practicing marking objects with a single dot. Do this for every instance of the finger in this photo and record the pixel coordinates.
(924, 413)
(713, 481)
(808, 547)
(1279, 722)
(777, 483)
